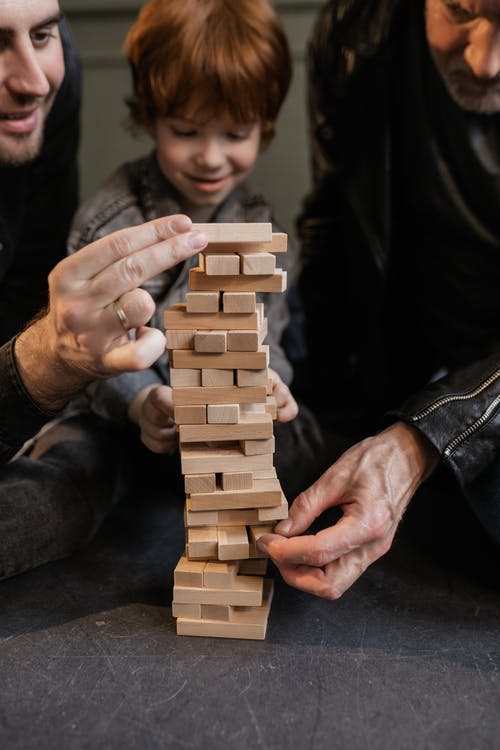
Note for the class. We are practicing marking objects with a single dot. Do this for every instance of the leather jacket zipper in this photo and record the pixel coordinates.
(456, 397)
(483, 419)
(480, 422)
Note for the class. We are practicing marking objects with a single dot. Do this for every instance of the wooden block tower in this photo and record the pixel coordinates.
(225, 409)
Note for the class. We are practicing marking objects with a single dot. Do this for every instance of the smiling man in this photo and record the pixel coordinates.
(401, 265)
(63, 321)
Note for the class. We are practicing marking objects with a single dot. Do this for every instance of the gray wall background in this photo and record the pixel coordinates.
(100, 26)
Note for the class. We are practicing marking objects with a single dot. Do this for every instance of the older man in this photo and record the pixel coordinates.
(401, 277)
(55, 344)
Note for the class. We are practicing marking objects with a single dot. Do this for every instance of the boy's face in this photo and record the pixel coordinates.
(31, 72)
(464, 39)
(205, 161)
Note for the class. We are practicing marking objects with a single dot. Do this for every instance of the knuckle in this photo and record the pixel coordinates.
(332, 592)
(132, 269)
(119, 245)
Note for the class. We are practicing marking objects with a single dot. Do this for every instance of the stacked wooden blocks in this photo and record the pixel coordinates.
(225, 409)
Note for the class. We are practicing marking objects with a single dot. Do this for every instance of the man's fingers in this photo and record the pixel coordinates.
(332, 580)
(317, 549)
(122, 261)
(325, 493)
(137, 354)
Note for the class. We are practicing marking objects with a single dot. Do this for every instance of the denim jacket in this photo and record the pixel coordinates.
(138, 192)
(37, 203)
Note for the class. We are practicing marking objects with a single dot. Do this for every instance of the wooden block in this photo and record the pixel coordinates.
(202, 282)
(242, 517)
(273, 514)
(254, 534)
(278, 244)
(179, 339)
(256, 447)
(210, 341)
(202, 543)
(254, 614)
(225, 264)
(189, 572)
(236, 480)
(264, 493)
(254, 567)
(265, 474)
(248, 593)
(271, 407)
(215, 612)
(212, 396)
(253, 408)
(177, 318)
(223, 413)
(203, 302)
(233, 543)
(257, 264)
(244, 341)
(211, 377)
(201, 483)
(270, 386)
(202, 518)
(181, 376)
(220, 575)
(230, 232)
(190, 414)
(237, 302)
(251, 377)
(249, 428)
(196, 459)
(258, 360)
(245, 624)
(192, 611)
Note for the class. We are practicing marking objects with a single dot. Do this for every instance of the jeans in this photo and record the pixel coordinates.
(53, 500)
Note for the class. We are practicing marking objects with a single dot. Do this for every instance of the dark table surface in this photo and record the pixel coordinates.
(409, 657)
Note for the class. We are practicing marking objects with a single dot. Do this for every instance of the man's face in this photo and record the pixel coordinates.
(31, 72)
(464, 39)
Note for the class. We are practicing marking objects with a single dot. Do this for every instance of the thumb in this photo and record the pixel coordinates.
(326, 492)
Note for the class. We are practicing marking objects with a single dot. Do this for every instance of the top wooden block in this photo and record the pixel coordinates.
(278, 244)
(234, 232)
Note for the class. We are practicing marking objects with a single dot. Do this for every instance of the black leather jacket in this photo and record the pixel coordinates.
(357, 219)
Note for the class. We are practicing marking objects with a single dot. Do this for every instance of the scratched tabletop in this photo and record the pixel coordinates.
(408, 658)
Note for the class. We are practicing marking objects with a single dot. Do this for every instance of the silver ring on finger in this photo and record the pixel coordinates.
(122, 318)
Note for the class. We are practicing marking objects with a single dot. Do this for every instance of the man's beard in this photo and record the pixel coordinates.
(21, 149)
(466, 91)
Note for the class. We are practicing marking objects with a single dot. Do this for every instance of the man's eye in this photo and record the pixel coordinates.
(459, 13)
(41, 38)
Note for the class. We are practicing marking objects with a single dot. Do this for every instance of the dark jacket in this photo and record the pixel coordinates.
(400, 250)
(37, 202)
(138, 192)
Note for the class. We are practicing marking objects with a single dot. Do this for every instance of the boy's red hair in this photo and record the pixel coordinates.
(232, 56)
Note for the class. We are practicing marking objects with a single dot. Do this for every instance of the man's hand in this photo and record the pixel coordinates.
(153, 410)
(372, 483)
(80, 337)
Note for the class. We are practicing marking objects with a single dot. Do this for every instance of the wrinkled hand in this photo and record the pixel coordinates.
(153, 410)
(80, 338)
(372, 483)
(287, 408)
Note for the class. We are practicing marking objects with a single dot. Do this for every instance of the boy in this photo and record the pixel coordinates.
(209, 78)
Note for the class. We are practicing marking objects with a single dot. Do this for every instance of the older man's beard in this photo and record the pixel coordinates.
(467, 91)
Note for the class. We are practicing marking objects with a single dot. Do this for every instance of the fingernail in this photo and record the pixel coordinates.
(198, 241)
(283, 527)
(180, 224)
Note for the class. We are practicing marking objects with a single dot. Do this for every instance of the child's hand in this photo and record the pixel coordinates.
(285, 402)
(153, 410)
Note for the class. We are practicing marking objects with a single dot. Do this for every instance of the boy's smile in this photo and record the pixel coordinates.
(205, 161)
